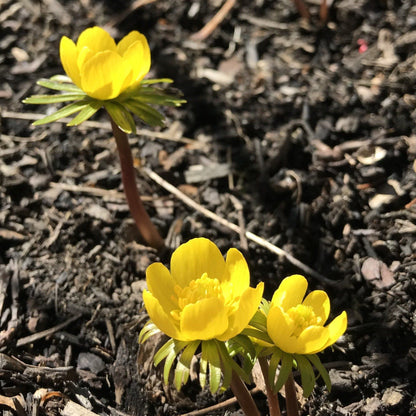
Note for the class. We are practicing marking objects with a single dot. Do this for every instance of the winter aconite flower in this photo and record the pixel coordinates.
(102, 68)
(297, 324)
(202, 299)
(103, 73)
(291, 330)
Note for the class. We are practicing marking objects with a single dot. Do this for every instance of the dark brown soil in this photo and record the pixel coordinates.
(309, 128)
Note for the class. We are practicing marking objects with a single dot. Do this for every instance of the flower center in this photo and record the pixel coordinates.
(302, 317)
(198, 289)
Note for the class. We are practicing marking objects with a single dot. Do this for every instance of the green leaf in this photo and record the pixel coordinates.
(184, 363)
(259, 321)
(120, 116)
(148, 114)
(147, 331)
(265, 306)
(61, 78)
(227, 361)
(255, 333)
(306, 374)
(156, 81)
(86, 113)
(57, 98)
(168, 365)
(63, 112)
(273, 363)
(58, 85)
(314, 359)
(160, 99)
(214, 377)
(164, 351)
(285, 369)
(241, 343)
(211, 355)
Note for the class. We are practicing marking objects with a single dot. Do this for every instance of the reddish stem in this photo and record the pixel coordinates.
(128, 175)
(302, 9)
(243, 396)
(271, 396)
(291, 400)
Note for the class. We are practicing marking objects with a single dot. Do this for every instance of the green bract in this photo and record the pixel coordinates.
(134, 101)
(216, 362)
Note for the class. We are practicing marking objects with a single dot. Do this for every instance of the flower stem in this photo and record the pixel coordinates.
(137, 210)
(272, 398)
(291, 400)
(243, 396)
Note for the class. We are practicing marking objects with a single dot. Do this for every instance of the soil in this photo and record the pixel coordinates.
(301, 132)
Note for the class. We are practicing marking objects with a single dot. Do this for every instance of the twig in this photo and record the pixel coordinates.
(214, 22)
(241, 222)
(218, 406)
(111, 336)
(253, 237)
(91, 190)
(42, 334)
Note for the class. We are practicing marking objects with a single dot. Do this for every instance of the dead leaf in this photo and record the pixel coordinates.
(15, 403)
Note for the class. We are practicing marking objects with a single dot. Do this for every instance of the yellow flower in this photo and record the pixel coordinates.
(296, 325)
(203, 297)
(102, 68)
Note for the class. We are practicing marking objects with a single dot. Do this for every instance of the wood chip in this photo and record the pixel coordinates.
(74, 409)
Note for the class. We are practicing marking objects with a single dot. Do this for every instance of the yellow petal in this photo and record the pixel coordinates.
(103, 75)
(336, 328)
(203, 320)
(96, 39)
(129, 39)
(290, 292)
(318, 300)
(69, 54)
(84, 54)
(280, 328)
(159, 317)
(312, 340)
(248, 305)
(236, 278)
(137, 56)
(160, 284)
(194, 258)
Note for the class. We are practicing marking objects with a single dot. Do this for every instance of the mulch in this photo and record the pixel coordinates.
(296, 145)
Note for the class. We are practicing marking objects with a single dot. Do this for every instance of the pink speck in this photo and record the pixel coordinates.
(362, 45)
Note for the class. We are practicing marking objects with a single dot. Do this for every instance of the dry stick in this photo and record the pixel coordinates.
(243, 396)
(214, 408)
(128, 174)
(214, 22)
(272, 398)
(253, 237)
(291, 400)
(42, 334)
